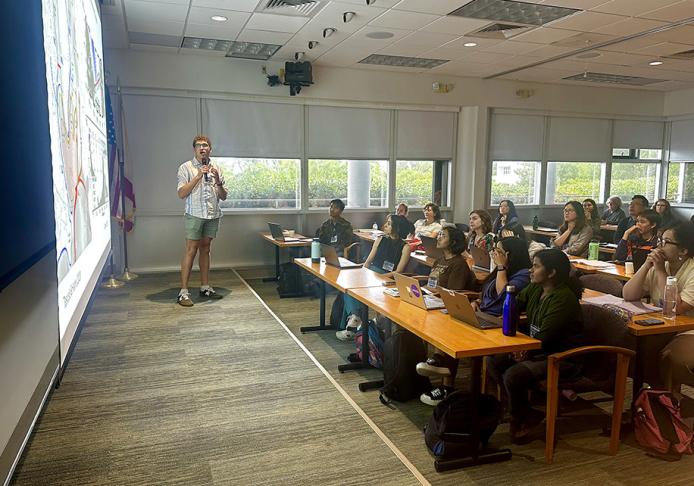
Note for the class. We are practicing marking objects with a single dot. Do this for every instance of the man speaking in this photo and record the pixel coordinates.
(201, 184)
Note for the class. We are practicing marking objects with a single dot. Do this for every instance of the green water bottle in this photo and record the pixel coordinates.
(593, 250)
(536, 223)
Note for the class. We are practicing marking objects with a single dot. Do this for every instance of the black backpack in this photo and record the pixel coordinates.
(448, 434)
(291, 283)
(402, 351)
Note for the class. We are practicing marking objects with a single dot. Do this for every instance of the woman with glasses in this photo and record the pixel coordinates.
(642, 236)
(614, 212)
(574, 234)
(667, 219)
(507, 215)
(673, 257)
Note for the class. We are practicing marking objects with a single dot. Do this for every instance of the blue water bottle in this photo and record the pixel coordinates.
(510, 314)
(315, 251)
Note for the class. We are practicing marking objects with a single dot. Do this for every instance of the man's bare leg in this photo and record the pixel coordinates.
(187, 261)
(204, 260)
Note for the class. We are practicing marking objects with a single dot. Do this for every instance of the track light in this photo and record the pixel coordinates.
(312, 44)
(328, 31)
(348, 16)
(298, 56)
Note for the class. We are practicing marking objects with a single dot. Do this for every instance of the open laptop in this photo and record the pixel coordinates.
(459, 307)
(430, 249)
(331, 258)
(278, 234)
(411, 292)
(481, 258)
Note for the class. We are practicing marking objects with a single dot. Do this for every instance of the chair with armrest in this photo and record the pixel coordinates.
(602, 283)
(463, 227)
(607, 338)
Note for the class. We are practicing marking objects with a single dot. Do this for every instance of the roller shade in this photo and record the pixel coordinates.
(579, 140)
(253, 129)
(426, 135)
(516, 137)
(682, 141)
(637, 134)
(345, 133)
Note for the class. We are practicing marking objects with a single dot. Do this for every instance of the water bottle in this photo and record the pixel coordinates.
(670, 298)
(510, 313)
(442, 222)
(593, 250)
(374, 227)
(315, 251)
(536, 223)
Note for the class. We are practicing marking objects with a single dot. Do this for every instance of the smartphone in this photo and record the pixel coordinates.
(648, 322)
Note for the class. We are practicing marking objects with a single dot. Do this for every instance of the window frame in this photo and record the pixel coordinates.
(447, 176)
(387, 207)
(540, 173)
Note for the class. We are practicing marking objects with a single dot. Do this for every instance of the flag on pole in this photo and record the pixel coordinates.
(114, 172)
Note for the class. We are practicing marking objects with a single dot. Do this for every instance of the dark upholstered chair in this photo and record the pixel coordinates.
(602, 283)
(611, 347)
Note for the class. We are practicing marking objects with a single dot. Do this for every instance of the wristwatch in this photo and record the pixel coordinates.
(500, 268)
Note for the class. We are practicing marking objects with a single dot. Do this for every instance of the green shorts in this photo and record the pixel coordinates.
(198, 228)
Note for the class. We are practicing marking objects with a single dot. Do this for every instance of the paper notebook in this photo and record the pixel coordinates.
(634, 308)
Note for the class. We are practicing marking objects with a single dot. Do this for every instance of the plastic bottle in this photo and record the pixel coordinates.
(315, 251)
(510, 313)
(670, 298)
(536, 223)
(374, 227)
(442, 222)
(593, 250)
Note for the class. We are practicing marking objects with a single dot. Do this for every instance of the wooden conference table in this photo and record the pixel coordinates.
(303, 241)
(611, 270)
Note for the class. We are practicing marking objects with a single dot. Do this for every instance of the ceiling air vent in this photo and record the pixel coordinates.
(402, 61)
(684, 55)
(293, 8)
(608, 78)
(511, 11)
(500, 31)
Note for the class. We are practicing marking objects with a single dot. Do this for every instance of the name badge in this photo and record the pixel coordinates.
(333, 239)
(388, 266)
(433, 282)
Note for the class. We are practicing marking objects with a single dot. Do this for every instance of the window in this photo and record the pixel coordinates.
(680, 182)
(574, 181)
(418, 182)
(261, 183)
(518, 181)
(629, 178)
(359, 183)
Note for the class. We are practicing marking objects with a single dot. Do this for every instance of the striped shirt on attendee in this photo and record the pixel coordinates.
(202, 202)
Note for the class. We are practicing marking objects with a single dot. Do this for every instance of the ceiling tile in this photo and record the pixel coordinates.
(629, 26)
(264, 37)
(199, 15)
(580, 4)
(663, 49)
(399, 19)
(487, 57)
(153, 27)
(380, 3)
(455, 25)
(201, 52)
(679, 35)
(331, 16)
(511, 47)
(240, 5)
(287, 51)
(360, 36)
(586, 21)
(428, 39)
(276, 23)
(677, 11)
(450, 53)
(549, 51)
(440, 7)
(632, 8)
(631, 45)
(224, 32)
(545, 35)
(397, 49)
(154, 11)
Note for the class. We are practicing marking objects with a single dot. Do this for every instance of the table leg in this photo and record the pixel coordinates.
(321, 323)
(479, 456)
(276, 278)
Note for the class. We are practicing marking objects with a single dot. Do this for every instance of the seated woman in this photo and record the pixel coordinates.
(481, 234)
(402, 209)
(516, 230)
(551, 302)
(574, 234)
(507, 215)
(512, 263)
(590, 209)
(643, 236)
(389, 254)
(673, 257)
(614, 213)
(664, 210)
(430, 225)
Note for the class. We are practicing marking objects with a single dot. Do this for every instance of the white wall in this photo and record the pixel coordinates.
(680, 102)
(158, 238)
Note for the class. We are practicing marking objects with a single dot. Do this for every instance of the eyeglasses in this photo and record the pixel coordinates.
(662, 242)
(202, 145)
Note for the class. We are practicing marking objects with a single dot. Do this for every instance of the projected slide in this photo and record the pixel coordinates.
(75, 80)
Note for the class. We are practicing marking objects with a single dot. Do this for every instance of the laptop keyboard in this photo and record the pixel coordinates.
(431, 301)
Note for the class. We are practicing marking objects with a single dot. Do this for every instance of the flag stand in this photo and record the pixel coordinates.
(127, 275)
(111, 282)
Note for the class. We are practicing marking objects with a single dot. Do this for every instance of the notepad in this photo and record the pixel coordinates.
(392, 292)
(593, 263)
(632, 307)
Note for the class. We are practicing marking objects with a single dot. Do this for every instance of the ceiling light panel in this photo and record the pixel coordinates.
(401, 61)
(511, 11)
(206, 44)
(592, 77)
(252, 50)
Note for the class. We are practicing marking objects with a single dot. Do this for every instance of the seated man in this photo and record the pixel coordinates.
(336, 231)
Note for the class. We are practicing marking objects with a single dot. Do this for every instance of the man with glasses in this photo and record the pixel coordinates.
(637, 205)
(201, 184)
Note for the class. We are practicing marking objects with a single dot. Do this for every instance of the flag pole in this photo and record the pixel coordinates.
(127, 274)
(111, 282)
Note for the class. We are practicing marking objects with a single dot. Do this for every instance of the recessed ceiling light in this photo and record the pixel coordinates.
(470, 44)
(219, 18)
(655, 63)
(380, 35)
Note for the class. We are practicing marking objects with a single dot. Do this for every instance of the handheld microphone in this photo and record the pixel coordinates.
(206, 161)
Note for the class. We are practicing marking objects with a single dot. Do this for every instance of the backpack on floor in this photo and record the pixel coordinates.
(658, 424)
(448, 433)
(375, 345)
(291, 283)
(401, 353)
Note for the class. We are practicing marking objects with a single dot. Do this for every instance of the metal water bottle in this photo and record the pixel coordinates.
(536, 223)
(315, 251)
(510, 313)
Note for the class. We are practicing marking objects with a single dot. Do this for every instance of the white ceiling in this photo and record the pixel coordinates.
(421, 28)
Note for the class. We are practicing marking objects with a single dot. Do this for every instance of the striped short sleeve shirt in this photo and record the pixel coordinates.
(203, 201)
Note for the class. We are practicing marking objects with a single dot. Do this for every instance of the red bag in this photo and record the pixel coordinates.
(658, 424)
